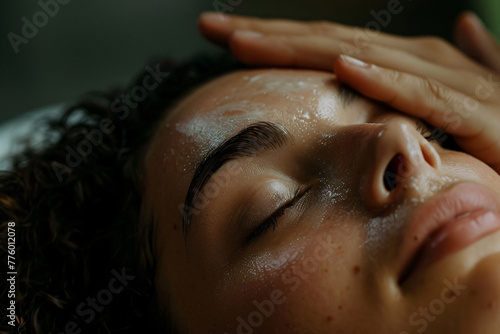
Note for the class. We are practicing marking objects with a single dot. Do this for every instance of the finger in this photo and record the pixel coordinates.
(319, 52)
(472, 126)
(287, 51)
(438, 104)
(218, 28)
(476, 41)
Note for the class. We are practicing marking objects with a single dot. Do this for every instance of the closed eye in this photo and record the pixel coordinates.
(433, 134)
(272, 221)
(426, 130)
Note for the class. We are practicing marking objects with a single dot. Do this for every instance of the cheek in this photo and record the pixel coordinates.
(467, 167)
(319, 297)
(319, 289)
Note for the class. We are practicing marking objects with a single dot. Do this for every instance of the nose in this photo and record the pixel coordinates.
(403, 159)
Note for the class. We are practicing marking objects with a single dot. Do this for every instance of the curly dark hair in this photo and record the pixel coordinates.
(82, 237)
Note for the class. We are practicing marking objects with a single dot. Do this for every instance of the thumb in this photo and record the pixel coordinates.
(476, 41)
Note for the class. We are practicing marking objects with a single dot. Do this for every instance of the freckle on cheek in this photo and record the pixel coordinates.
(356, 270)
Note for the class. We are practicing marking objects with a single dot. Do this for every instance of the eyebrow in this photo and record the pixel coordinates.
(252, 140)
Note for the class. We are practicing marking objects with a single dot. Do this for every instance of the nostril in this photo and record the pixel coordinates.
(392, 171)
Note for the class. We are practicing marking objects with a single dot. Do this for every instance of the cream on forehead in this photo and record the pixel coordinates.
(324, 101)
(209, 129)
(283, 84)
(231, 107)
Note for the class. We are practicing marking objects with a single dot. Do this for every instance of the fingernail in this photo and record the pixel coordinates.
(353, 61)
(214, 17)
(250, 34)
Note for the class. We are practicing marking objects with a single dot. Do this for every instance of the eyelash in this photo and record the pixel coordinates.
(424, 128)
(272, 221)
(441, 137)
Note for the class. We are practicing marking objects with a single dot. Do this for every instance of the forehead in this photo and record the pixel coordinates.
(225, 105)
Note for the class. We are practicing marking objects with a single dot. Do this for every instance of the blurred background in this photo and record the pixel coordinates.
(94, 45)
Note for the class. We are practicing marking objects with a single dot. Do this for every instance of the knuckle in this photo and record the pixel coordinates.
(435, 90)
(395, 79)
(322, 27)
(435, 44)
(253, 24)
(394, 76)
(369, 50)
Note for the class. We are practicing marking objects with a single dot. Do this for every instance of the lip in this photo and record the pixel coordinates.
(446, 223)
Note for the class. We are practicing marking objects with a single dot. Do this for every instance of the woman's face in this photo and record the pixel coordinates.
(334, 216)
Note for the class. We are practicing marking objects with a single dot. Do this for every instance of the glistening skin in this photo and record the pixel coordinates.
(320, 174)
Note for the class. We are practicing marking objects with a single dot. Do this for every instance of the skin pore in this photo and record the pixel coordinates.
(332, 262)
